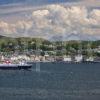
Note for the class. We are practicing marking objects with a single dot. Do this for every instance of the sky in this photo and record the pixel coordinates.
(50, 18)
(39, 2)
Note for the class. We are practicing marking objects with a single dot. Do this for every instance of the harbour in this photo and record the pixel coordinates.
(49, 49)
(55, 81)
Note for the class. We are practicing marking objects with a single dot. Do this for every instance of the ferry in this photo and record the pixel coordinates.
(10, 66)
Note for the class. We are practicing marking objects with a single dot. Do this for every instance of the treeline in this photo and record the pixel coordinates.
(67, 47)
(13, 44)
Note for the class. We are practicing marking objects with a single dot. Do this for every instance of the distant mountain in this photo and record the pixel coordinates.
(68, 37)
(77, 37)
(2, 36)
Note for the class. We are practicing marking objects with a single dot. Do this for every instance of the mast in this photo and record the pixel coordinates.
(37, 54)
(89, 50)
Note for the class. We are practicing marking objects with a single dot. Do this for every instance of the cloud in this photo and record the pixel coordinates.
(55, 20)
(6, 28)
(15, 29)
(90, 2)
(95, 14)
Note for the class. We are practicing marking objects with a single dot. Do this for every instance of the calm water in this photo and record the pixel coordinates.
(55, 81)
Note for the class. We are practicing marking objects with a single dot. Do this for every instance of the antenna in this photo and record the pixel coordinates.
(37, 51)
(37, 54)
(63, 45)
(89, 50)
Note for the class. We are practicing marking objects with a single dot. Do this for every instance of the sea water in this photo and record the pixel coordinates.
(54, 81)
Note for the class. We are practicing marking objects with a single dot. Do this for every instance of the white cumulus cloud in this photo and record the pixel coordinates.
(55, 20)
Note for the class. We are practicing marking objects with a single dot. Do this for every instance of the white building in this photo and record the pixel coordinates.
(90, 59)
(67, 59)
(78, 58)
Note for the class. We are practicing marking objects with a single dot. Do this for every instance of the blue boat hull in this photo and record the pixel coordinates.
(15, 67)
